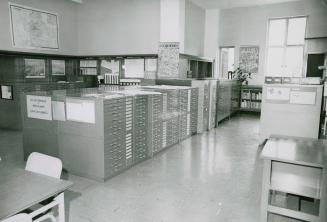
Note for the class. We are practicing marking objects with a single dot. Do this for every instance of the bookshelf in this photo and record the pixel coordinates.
(294, 183)
(88, 67)
(251, 97)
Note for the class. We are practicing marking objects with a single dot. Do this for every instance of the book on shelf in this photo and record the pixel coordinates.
(250, 104)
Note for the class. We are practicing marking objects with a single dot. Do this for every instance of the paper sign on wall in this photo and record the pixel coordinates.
(39, 107)
(58, 111)
(278, 93)
(305, 98)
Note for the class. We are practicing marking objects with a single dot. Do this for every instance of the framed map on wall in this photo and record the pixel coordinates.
(33, 28)
(249, 58)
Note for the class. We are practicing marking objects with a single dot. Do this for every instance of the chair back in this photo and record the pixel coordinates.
(18, 218)
(44, 164)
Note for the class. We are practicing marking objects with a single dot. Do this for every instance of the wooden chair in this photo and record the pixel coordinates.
(49, 166)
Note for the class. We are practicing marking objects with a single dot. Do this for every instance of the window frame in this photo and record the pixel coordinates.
(131, 58)
(285, 45)
(221, 74)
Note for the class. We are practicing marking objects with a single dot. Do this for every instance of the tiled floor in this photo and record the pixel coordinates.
(213, 177)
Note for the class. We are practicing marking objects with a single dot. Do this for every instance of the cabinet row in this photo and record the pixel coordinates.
(100, 132)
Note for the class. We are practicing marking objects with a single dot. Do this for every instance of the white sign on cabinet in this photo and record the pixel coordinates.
(39, 107)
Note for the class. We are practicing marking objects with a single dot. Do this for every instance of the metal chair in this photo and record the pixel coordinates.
(49, 166)
(44, 164)
(23, 217)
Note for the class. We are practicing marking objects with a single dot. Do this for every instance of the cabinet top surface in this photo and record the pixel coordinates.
(303, 151)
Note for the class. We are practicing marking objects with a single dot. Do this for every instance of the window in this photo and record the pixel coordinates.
(286, 46)
(226, 61)
(110, 66)
(134, 68)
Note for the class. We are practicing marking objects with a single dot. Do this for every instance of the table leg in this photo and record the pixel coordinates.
(61, 207)
(265, 190)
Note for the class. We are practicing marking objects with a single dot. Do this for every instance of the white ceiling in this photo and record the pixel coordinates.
(212, 4)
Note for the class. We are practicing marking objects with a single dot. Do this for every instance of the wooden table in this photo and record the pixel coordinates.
(294, 166)
(21, 189)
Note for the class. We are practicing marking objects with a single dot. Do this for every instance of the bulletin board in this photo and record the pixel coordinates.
(249, 59)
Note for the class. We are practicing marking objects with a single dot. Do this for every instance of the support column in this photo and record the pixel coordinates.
(172, 31)
(211, 48)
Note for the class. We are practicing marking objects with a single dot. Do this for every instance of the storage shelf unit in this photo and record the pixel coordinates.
(228, 98)
(294, 180)
(251, 98)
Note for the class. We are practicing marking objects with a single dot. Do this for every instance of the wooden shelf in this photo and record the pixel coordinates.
(250, 110)
(294, 189)
(295, 179)
(251, 97)
(253, 100)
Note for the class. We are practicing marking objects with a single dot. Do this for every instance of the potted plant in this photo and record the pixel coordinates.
(241, 75)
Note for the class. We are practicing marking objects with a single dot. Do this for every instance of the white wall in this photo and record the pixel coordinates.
(172, 21)
(211, 32)
(66, 11)
(194, 29)
(211, 36)
(248, 26)
(118, 27)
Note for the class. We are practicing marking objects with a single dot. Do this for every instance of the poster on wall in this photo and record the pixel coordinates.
(33, 28)
(39, 107)
(249, 59)
(168, 59)
(6, 92)
(58, 67)
(34, 68)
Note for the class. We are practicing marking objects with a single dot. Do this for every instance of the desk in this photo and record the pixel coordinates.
(294, 179)
(21, 189)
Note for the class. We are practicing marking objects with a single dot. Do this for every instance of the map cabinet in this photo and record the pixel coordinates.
(294, 180)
